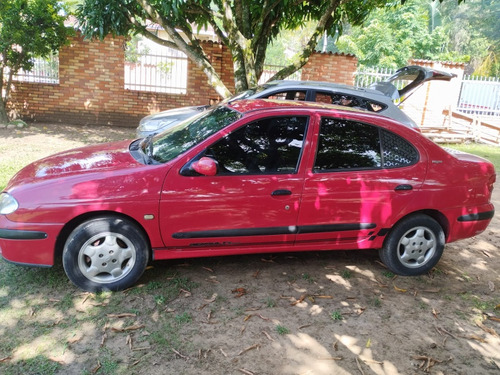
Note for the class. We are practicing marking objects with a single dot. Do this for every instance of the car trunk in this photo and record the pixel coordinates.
(406, 80)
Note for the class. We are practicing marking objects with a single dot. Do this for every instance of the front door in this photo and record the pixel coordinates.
(252, 200)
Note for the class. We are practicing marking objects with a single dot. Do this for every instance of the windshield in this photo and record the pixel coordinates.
(180, 138)
(242, 95)
(250, 93)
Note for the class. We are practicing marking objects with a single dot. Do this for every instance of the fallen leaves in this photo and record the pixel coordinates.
(128, 341)
(441, 330)
(474, 337)
(240, 292)
(179, 354)
(123, 315)
(399, 289)
(129, 328)
(301, 299)
(208, 301)
(491, 331)
(435, 313)
(245, 371)
(495, 319)
(96, 368)
(428, 362)
(74, 340)
(268, 336)
(255, 346)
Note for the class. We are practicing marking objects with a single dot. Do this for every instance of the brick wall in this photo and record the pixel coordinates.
(330, 67)
(91, 85)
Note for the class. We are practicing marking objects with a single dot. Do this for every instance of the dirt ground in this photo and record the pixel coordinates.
(296, 313)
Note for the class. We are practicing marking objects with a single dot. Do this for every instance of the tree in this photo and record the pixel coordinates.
(426, 29)
(246, 27)
(473, 30)
(28, 29)
(392, 36)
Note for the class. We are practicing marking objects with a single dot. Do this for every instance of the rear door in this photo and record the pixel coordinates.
(362, 178)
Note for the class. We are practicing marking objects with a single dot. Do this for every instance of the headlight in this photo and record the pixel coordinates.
(8, 204)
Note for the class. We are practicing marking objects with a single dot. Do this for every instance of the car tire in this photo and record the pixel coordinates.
(105, 253)
(414, 246)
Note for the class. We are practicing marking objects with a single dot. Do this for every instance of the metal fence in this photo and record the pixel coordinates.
(45, 70)
(364, 77)
(164, 71)
(480, 96)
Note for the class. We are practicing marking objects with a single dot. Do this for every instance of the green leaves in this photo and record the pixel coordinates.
(28, 29)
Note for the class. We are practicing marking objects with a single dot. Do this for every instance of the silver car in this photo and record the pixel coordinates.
(380, 97)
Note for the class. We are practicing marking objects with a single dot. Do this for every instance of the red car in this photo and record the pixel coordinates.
(248, 177)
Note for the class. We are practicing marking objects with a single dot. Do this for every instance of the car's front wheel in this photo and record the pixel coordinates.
(414, 246)
(105, 253)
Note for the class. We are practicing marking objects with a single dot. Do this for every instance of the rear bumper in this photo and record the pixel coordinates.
(30, 244)
(469, 222)
(488, 215)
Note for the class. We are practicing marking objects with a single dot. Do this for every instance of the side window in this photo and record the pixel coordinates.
(352, 145)
(288, 95)
(347, 145)
(323, 98)
(396, 151)
(349, 101)
(268, 146)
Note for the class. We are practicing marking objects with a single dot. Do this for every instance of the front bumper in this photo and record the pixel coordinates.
(28, 243)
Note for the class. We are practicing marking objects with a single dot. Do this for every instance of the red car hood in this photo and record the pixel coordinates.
(91, 159)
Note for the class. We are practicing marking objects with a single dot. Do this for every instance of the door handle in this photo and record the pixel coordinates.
(403, 187)
(281, 192)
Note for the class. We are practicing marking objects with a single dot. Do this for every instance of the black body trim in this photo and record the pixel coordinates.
(273, 230)
(477, 217)
(12, 234)
(382, 232)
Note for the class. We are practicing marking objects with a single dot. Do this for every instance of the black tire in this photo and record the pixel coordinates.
(105, 253)
(414, 246)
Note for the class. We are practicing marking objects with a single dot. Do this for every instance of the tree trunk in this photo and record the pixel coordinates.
(4, 119)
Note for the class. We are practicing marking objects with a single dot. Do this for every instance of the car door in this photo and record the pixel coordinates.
(254, 197)
(362, 178)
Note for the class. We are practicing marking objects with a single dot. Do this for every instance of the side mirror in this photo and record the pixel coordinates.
(205, 166)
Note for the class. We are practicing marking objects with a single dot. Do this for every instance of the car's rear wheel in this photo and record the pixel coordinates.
(105, 253)
(414, 246)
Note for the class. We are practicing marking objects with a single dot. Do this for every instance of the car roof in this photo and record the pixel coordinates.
(318, 85)
(251, 105)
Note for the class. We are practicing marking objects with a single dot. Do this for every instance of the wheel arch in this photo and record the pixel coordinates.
(76, 221)
(436, 215)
